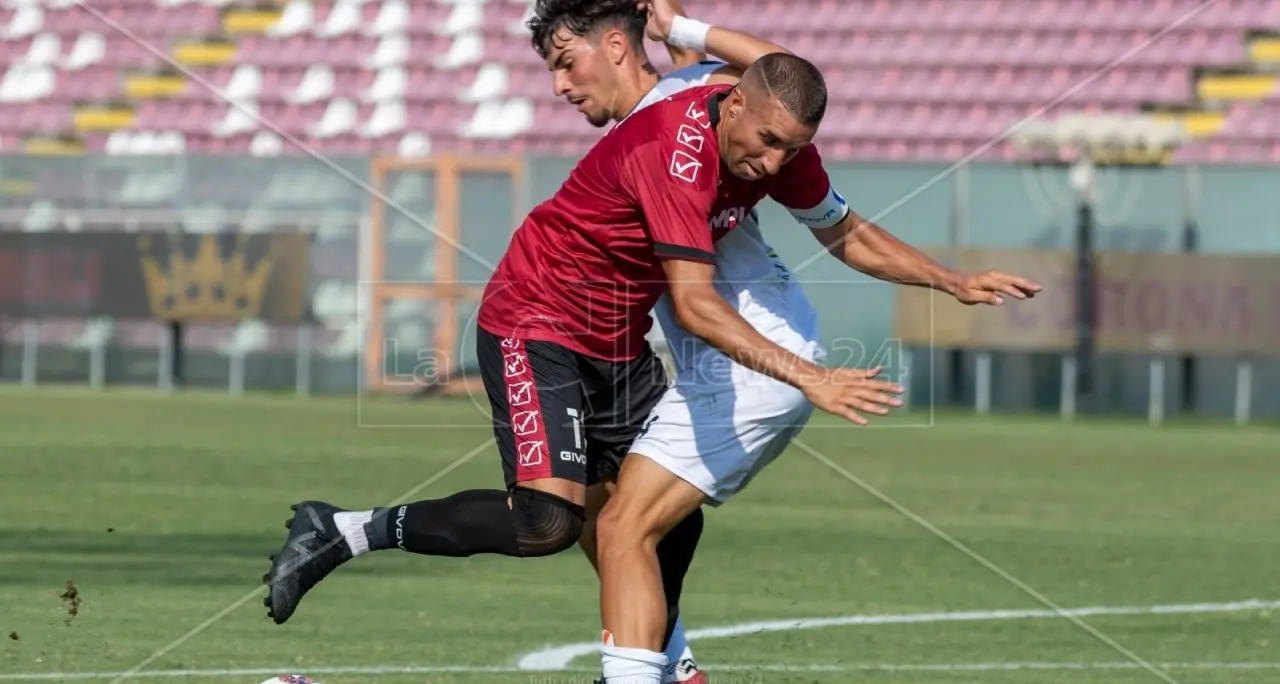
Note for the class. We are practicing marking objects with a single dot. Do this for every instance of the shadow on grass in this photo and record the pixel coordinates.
(47, 558)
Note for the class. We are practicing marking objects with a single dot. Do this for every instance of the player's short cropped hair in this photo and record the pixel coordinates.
(584, 17)
(793, 81)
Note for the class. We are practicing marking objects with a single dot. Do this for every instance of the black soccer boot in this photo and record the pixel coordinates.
(312, 550)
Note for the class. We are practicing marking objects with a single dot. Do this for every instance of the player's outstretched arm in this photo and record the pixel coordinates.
(669, 24)
(804, 187)
(703, 312)
(866, 247)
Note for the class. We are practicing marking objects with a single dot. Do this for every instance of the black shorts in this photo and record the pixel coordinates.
(559, 413)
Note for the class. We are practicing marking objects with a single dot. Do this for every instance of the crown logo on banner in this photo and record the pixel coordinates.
(208, 285)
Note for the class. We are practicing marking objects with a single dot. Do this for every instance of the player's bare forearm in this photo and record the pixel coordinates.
(704, 313)
(739, 49)
(682, 57)
(870, 249)
(710, 318)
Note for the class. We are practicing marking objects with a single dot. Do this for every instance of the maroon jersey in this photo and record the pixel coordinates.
(585, 267)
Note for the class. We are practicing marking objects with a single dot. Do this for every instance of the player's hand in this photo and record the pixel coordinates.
(660, 13)
(849, 392)
(991, 287)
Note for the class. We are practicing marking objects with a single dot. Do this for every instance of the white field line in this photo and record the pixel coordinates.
(479, 669)
(559, 657)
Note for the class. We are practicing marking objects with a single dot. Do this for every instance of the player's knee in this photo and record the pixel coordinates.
(618, 530)
(545, 523)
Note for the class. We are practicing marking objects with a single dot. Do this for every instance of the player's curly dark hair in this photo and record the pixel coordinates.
(583, 17)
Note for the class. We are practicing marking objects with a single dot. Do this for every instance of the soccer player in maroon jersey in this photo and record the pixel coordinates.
(595, 53)
(561, 337)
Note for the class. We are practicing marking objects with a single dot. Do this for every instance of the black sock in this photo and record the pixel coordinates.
(675, 555)
(467, 523)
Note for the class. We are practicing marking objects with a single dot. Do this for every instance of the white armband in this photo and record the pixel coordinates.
(689, 34)
(830, 211)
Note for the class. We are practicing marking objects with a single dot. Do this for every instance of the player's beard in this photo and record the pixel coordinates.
(599, 120)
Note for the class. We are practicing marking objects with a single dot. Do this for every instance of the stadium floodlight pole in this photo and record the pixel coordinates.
(1082, 143)
(1190, 245)
(1084, 182)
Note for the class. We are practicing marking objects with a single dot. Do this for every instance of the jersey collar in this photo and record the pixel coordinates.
(713, 106)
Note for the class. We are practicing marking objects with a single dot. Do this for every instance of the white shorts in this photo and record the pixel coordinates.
(718, 439)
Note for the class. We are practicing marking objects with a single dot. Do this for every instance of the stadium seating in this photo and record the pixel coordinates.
(912, 79)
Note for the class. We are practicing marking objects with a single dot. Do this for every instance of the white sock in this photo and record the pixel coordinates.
(677, 650)
(351, 525)
(631, 665)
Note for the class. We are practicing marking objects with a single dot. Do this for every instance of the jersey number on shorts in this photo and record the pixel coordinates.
(577, 427)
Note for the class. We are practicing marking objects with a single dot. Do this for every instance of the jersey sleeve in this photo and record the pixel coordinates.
(803, 187)
(674, 182)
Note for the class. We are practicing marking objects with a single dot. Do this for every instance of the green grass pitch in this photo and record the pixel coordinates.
(162, 511)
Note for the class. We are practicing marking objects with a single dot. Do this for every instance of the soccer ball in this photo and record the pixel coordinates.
(291, 679)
